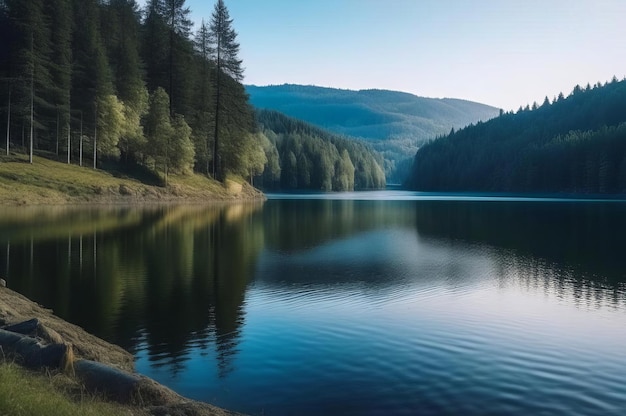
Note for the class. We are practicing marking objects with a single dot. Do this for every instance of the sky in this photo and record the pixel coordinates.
(505, 53)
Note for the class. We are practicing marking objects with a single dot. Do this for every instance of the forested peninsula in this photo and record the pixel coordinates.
(302, 156)
(572, 145)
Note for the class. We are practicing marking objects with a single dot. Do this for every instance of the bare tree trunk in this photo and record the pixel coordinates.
(9, 119)
(69, 144)
(80, 157)
(32, 100)
(95, 137)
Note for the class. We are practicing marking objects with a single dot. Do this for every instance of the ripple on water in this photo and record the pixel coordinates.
(401, 352)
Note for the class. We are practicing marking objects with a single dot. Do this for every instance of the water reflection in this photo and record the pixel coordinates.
(162, 277)
(231, 302)
(568, 248)
(175, 275)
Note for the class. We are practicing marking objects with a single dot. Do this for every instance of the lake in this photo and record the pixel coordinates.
(350, 304)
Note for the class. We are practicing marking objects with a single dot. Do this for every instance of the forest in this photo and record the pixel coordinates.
(393, 123)
(302, 156)
(573, 145)
(107, 83)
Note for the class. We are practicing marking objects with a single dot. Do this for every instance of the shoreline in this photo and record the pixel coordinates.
(142, 194)
(154, 397)
(47, 182)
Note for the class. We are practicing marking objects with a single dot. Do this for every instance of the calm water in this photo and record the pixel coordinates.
(364, 304)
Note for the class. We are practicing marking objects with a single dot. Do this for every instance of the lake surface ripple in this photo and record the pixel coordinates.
(362, 304)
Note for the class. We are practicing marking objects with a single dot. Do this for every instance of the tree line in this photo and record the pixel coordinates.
(574, 144)
(100, 81)
(302, 156)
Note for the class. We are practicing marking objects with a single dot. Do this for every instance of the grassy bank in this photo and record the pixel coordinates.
(48, 182)
(26, 393)
(52, 392)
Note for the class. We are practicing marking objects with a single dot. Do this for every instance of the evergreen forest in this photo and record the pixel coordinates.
(574, 144)
(393, 123)
(302, 156)
(110, 84)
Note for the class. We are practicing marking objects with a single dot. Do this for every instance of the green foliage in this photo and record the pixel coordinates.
(102, 59)
(111, 124)
(169, 139)
(159, 129)
(574, 145)
(232, 112)
(132, 141)
(224, 38)
(395, 124)
(181, 151)
(301, 156)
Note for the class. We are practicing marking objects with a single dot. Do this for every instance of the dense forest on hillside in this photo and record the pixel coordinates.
(393, 123)
(302, 156)
(574, 144)
(91, 81)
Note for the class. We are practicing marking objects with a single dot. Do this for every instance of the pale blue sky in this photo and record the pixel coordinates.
(498, 52)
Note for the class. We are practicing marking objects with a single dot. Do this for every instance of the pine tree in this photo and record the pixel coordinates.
(123, 46)
(91, 75)
(176, 16)
(32, 56)
(6, 76)
(154, 46)
(60, 12)
(227, 65)
(202, 117)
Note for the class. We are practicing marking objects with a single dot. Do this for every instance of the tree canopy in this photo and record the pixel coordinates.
(570, 145)
(95, 73)
(301, 156)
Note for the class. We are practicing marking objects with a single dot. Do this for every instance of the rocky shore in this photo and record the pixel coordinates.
(34, 337)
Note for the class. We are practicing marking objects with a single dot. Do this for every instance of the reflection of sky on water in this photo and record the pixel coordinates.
(351, 306)
(461, 327)
(384, 195)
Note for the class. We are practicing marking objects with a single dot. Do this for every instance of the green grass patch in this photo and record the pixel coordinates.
(49, 182)
(25, 393)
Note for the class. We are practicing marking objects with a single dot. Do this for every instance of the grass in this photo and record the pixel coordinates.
(25, 393)
(50, 182)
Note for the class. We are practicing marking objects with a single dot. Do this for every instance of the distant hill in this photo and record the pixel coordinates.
(574, 145)
(395, 123)
(371, 114)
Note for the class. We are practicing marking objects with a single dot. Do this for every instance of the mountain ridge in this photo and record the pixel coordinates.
(371, 114)
(394, 123)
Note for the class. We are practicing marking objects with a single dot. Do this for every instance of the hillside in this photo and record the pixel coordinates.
(370, 114)
(49, 182)
(571, 145)
(395, 123)
(302, 156)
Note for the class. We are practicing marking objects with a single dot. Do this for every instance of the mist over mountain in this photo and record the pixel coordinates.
(395, 123)
(371, 114)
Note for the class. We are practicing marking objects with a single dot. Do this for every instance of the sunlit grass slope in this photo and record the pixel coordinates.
(49, 182)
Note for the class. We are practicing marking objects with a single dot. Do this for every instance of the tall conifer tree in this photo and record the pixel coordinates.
(227, 65)
(60, 12)
(32, 55)
(176, 16)
(203, 105)
(91, 76)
